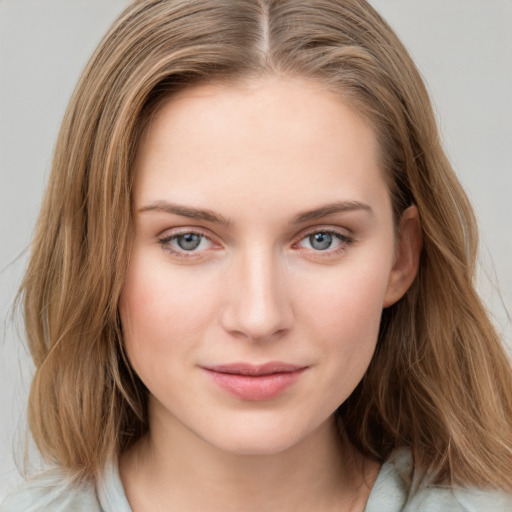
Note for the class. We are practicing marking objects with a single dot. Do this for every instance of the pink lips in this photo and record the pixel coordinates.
(255, 382)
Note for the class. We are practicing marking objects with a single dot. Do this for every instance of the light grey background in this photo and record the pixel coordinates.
(462, 47)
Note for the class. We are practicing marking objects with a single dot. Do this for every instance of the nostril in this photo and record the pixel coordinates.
(280, 333)
(254, 325)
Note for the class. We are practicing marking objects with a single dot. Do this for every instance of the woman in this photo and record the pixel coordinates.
(251, 281)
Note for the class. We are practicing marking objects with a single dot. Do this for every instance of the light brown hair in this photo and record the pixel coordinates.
(439, 382)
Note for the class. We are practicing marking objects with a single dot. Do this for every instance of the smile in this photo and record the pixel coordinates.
(255, 382)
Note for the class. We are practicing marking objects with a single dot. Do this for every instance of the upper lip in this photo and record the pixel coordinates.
(255, 369)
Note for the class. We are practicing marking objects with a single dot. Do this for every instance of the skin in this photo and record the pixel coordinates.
(257, 289)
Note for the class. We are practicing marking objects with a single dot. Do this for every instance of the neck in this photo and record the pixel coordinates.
(172, 469)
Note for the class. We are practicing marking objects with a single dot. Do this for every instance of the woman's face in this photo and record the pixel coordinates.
(264, 254)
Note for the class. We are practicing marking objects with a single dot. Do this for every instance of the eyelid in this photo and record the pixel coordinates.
(183, 230)
(167, 235)
(343, 233)
(344, 238)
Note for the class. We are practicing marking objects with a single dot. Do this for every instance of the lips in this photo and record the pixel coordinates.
(255, 382)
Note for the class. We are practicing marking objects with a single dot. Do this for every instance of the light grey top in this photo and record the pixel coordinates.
(53, 491)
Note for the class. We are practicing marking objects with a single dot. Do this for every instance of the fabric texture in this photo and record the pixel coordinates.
(55, 491)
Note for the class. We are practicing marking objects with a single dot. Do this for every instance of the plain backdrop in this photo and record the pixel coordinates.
(463, 49)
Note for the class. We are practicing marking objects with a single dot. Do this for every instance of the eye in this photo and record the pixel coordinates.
(188, 242)
(325, 240)
(320, 241)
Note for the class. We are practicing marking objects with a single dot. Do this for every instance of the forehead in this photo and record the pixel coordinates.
(262, 139)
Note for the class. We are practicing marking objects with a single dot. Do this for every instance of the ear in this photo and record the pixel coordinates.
(408, 250)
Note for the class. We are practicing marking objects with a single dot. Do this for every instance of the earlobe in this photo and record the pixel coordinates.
(405, 267)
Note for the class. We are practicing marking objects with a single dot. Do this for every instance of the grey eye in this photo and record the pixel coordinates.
(188, 241)
(320, 241)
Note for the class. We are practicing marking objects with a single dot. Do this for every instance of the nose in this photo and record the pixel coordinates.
(258, 307)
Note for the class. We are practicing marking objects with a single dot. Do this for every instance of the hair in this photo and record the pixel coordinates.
(439, 382)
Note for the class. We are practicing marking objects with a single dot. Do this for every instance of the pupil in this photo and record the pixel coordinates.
(189, 242)
(320, 241)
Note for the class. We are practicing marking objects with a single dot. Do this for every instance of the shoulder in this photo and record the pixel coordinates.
(391, 493)
(436, 499)
(56, 490)
(53, 490)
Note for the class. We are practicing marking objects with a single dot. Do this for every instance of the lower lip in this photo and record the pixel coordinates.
(255, 387)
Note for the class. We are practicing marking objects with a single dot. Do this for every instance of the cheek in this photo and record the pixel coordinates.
(351, 321)
(344, 317)
(161, 310)
(347, 299)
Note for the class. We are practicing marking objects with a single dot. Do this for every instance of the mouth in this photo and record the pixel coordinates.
(255, 382)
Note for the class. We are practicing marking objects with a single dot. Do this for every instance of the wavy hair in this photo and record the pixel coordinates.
(439, 382)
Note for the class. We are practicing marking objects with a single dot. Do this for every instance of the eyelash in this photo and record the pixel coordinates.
(165, 243)
(344, 242)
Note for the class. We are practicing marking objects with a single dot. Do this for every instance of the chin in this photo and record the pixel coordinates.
(257, 445)
(259, 438)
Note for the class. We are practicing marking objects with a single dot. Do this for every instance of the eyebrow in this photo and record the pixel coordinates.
(330, 209)
(184, 211)
(210, 216)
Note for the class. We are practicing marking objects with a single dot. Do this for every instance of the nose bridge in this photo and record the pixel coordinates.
(258, 306)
